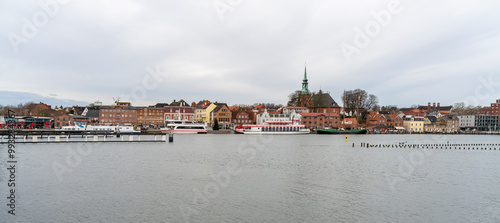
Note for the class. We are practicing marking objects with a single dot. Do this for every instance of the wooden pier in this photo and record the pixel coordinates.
(80, 137)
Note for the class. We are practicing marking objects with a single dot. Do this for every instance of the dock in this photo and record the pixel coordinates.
(47, 136)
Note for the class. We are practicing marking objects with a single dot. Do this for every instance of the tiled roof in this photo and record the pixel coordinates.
(219, 107)
(327, 101)
(291, 107)
(318, 114)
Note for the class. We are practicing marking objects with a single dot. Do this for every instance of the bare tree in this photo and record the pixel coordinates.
(359, 98)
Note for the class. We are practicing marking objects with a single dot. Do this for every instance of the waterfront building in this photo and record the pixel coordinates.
(122, 113)
(350, 123)
(487, 123)
(208, 112)
(201, 111)
(153, 117)
(320, 120)
(63, 120)
(175, 113)
(375, 118)
(413, 123)
(222, 114)
(377, 122)
(466, 122)
(395, 122)
(433, 124)
(452, 124)
(241, 117)
(494, 109)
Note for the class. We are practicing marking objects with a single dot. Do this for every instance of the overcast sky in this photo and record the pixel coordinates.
(248, 51)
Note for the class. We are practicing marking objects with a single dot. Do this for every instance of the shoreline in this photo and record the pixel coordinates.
(221, 131)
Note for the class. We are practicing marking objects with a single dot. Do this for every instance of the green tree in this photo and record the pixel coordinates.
(216, 125)
(294, 99)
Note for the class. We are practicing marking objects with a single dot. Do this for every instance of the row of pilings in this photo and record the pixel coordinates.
(457, 146)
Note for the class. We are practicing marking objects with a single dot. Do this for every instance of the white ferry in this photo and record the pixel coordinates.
(283, 128)
(99, 128)
(185, 127)
(276, 124)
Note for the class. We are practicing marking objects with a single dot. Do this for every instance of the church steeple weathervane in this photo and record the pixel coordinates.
(305, 85)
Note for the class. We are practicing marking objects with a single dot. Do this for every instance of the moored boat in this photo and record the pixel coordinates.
(184, 127)
(272, 129)
(340, 131)
(98, 129)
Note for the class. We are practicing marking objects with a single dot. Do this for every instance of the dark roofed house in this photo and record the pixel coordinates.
(222, 114)
(160, 105)
(323, 103)
(92, 114)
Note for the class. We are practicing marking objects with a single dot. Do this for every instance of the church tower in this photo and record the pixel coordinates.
(305, 85)
(304, 99)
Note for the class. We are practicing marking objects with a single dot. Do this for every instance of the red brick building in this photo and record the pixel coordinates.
(63, 120)
(242, 117)
(320, 120)
(120, 114)
(383, 122)
(40, 109)
(494, 109)
(186, 113)
(350, 123)
(69, 120)
(151, 116)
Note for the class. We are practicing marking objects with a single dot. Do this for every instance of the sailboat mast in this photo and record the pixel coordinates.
(357, 110)
(345, 110)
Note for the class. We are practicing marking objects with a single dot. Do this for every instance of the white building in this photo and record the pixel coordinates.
(266, 118)
(466, 121)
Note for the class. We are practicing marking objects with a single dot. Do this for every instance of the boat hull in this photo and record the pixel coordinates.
(341, 132)
(175, 131)
(272, 129)
(275, 133)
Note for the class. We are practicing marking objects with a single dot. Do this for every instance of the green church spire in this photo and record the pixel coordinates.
(305, 88)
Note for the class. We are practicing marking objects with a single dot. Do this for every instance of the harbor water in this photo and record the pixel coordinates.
(251, 178)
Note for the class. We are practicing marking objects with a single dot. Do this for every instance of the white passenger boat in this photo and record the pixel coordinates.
(282, 128)
(184, 127)
(99, 128)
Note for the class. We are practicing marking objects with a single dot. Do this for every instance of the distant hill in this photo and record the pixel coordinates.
(15, 98)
